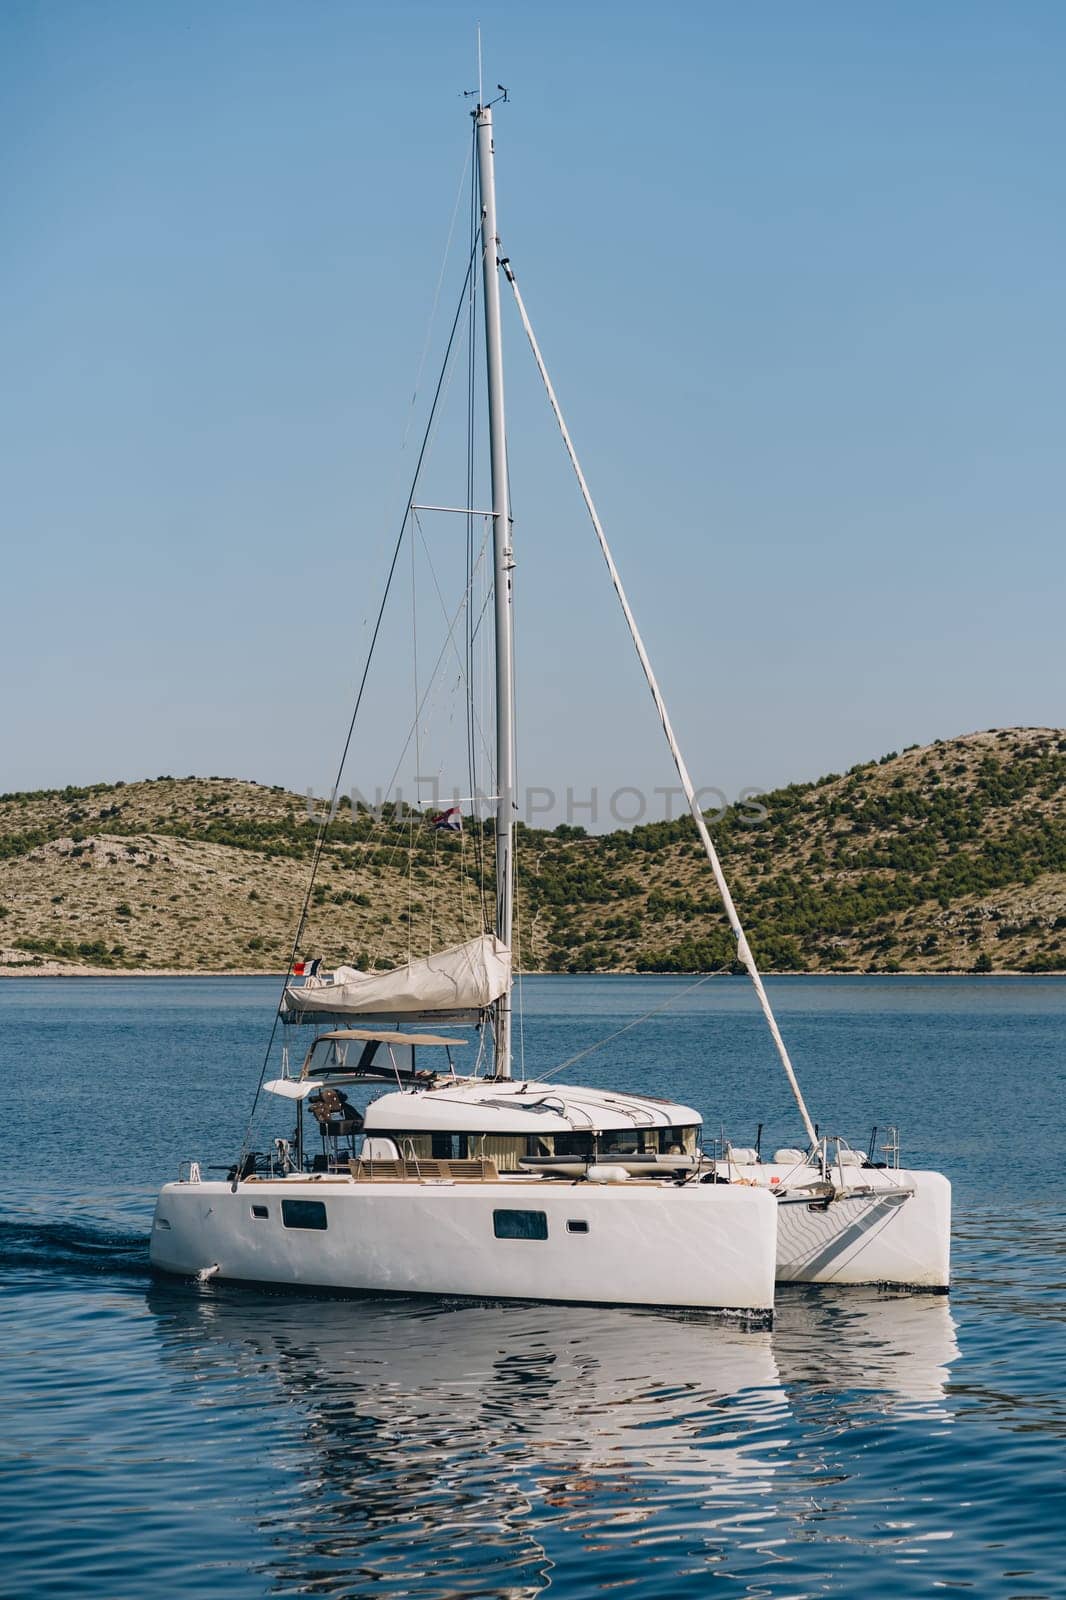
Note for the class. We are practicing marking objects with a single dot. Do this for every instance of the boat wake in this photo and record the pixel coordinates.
(70, 1248)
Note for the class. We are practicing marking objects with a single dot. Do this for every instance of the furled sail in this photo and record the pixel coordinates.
(468, 977)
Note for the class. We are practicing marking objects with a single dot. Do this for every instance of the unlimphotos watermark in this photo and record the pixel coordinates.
(594, 809)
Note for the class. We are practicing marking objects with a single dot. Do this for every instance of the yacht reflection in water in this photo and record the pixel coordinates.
(436, 1448)
(895, 1349)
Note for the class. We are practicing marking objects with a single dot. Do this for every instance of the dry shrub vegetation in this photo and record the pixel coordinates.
(948, 857)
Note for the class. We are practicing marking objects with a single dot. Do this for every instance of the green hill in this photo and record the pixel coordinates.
(944, 858)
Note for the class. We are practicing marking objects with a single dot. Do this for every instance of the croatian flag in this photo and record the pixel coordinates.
(306, 969)
(450, 821)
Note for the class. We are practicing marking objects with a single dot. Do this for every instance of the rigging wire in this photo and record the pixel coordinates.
(744, 952)
(397, 831)
(436, 302)
(430, 323)
(320, 841)
(478, 730)
(416, 391)
(635, 1023)
(393, 826)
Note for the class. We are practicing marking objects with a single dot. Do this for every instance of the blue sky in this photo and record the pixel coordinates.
(797, 270)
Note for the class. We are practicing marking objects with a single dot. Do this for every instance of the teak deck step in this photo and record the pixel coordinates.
(472, 1171)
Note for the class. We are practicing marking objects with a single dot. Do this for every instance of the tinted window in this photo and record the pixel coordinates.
(624, 1142)
(576, 1225)
(260, 1211)
(520, 1224)
(303, 1214)
(573, 1144)
(449, 1146)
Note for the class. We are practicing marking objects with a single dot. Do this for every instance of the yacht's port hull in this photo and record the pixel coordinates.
(889, 1227)
(711, 1247)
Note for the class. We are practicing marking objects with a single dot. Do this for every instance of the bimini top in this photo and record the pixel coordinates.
(388, 1036)
(486, 1105)
(373, 1064)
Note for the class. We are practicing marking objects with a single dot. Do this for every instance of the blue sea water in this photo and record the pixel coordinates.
(180, 1440)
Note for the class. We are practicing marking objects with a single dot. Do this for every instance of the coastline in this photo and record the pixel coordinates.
(935, 859)
(56, 969)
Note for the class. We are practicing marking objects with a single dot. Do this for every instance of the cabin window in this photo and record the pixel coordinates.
(573, 1144)
(511, 1224)
(577, 1225)
(625, 1141)
(675, 1140)
(260, 1211)
(304, 1214)
(449, 1146)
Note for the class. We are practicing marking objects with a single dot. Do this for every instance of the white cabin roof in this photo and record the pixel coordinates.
(388, 1036)
(479, 1105)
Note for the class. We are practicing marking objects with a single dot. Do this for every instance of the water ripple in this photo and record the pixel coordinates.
(192, 1441)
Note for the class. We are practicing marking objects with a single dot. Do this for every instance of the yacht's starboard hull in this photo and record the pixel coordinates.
(710, 1247)
(887, 1226)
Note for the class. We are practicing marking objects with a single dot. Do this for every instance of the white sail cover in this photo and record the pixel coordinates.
(467, 977)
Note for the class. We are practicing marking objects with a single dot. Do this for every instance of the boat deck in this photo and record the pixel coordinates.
(437, 1171)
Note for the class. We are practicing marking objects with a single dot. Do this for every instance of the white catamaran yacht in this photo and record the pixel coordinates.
(460, 1181)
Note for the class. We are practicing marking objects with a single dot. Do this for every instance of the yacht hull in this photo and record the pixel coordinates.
(888, 1227)
(698, 1246)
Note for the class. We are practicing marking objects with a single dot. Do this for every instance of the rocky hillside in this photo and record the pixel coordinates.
(950, 857)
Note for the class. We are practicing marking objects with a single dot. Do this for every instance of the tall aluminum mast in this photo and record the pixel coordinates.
(503, 564)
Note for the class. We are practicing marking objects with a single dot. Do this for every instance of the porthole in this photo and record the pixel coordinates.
(514, 1224)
